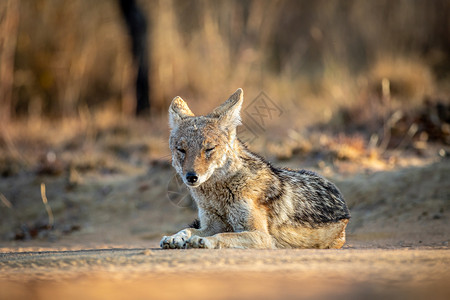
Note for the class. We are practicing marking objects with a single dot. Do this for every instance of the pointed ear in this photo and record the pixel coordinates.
(178, 111)
(229, 112)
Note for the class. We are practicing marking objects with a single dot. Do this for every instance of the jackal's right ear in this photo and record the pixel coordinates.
(178, 111)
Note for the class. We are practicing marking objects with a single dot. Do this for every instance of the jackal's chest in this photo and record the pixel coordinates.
(222, 207)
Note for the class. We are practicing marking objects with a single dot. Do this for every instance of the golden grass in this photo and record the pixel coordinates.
(410, 79)
(48, 208)
(307, 56)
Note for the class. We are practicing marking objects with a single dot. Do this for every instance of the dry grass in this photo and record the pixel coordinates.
(308, 56)
(410, 79)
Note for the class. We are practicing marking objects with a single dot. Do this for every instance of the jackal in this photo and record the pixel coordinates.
(243, 201)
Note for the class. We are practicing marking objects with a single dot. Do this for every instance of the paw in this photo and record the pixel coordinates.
(176, 241)
(199, 242)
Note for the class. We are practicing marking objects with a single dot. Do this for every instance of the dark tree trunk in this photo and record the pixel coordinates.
(137, 28)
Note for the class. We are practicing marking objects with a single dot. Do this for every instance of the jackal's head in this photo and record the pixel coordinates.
(202, 144)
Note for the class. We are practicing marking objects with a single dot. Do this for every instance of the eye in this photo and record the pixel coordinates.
(181, 150)
(208, 150)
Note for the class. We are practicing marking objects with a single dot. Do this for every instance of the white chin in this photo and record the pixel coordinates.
(193, 184)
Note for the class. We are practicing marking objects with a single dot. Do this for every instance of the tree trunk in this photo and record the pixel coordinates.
(137, 28)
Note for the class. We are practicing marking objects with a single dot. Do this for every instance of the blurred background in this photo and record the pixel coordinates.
(59, 56)
(353, 80)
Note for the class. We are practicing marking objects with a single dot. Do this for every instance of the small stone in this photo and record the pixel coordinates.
(147, 252)
(437, 216)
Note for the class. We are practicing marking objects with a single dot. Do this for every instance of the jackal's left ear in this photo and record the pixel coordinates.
(229, 113)
(178, 111)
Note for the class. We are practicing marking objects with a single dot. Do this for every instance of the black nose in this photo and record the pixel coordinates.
(191, 177)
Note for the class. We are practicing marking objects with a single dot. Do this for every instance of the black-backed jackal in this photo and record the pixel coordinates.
(243, 201)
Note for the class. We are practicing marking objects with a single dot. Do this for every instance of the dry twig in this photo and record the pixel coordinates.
(47, 207)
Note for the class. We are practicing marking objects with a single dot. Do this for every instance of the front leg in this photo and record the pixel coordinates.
(243, 240)
(210, 225)
(178, 240)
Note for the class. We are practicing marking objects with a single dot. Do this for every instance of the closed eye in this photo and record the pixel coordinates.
(181, 150)
(210, 149)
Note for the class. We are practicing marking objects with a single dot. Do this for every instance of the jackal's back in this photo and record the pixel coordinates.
(301, 196)
(316, 200)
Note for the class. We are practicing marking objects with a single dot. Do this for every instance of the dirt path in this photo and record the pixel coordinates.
(109, 211)
(140, 273)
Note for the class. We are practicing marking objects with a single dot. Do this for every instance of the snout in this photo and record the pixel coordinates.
(192, 178)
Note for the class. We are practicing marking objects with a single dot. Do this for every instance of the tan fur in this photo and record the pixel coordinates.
(327, 236)
(243, 201)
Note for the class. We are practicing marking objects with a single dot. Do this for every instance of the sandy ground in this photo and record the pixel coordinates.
(151, 273)
(397, 246)
(109, 217)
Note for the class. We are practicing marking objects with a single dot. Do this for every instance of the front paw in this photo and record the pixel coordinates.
(176, 241)
(200, 242)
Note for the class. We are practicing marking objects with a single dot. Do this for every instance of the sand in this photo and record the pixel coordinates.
(152, 273)
(104, 241)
